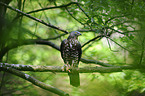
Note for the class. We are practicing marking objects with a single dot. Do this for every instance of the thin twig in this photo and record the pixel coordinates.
(110, 46)
(124, 33)
(83, 11)
(87, 61)
(30, 33)
(88, 46)
(113, 18)
(74, 17)
(61, 6)
(87, 30)
(85, 14)
(121, 46)
(54, 38)
(98, 37)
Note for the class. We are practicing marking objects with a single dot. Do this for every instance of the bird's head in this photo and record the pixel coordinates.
(74, 34)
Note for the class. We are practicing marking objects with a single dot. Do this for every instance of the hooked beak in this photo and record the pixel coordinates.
(79, 34)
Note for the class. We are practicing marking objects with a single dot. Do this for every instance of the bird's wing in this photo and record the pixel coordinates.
(79, 48)
(62, 48)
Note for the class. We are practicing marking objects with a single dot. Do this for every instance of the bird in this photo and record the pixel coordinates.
(71, 52)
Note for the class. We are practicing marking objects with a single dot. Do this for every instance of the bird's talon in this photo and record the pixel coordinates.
(69, 71)
(64, 67)
(67, 68)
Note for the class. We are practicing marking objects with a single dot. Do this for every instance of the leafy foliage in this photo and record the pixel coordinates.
(119, 23)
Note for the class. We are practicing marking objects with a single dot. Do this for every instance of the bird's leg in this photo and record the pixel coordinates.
(66, 67)
(71, 66)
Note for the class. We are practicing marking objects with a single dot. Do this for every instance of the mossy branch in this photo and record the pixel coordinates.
(31, 79)
(59, 68)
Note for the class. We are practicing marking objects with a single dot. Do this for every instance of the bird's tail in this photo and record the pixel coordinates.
(74, 78)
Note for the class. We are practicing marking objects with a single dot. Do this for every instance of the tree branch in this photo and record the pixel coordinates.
(83, 11)
(100, 36)
(95, 62)
(44, 42)
(47, 8)
(121, 46)
(59, 68)
(33, 18)
(26, 42)
(33, 80)
(114, 18)
(74, 17)
(61, 6)
(53, 38)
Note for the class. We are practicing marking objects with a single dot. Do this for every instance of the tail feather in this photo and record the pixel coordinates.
(74, 79)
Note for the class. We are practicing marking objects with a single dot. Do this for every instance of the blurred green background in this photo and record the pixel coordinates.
(123, 19)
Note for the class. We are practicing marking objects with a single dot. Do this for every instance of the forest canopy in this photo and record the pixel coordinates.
(112, 41)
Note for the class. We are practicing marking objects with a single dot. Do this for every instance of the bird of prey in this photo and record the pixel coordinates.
(71, 53)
